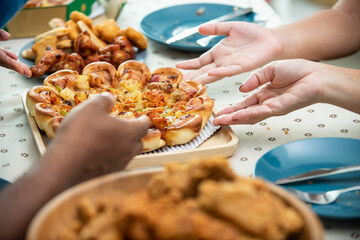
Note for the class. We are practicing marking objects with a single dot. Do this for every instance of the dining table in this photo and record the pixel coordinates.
(19, 151)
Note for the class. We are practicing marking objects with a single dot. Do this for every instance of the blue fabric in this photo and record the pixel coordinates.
(8, 8)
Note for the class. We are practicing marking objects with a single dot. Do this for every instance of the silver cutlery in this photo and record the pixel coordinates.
(322, 198)
(193, 30)
(322, 172)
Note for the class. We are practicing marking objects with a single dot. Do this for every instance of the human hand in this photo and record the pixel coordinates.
(93, 143)
(246, 47)
(9, 59)
(287, 85)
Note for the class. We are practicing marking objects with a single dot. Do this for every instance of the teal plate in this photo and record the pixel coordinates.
(310, 154)
(167, 22)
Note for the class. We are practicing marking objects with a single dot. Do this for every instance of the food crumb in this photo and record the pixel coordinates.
(286, 132)
(268, 128)
(200, 11)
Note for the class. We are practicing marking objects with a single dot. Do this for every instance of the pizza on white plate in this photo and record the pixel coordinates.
(178, 110)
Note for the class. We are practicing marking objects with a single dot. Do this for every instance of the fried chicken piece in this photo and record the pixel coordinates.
(108, 30)
(72, 61)
(39, 48)
(48, 63)
(116, 53)
(181, 181)
(84, 46)
(142, 217)
(101, 227)
(136, 38)
(188, 221)
(125, 45)
(251, 207)
(73, 29)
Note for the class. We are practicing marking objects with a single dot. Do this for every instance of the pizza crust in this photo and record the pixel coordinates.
(44, 113)
(37, 95)
(152, 140)
(184, 130)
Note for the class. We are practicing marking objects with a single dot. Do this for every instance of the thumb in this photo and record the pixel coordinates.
(4, 35)
(104, 102)
(142, 123)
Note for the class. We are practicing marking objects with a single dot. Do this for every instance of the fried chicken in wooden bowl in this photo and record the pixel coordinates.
(202, 199)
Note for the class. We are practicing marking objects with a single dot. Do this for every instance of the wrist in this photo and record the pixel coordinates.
(343, 88)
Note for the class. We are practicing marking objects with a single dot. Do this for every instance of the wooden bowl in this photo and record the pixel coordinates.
(59, 212)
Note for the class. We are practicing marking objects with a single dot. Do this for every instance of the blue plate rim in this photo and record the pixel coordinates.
(318, 209)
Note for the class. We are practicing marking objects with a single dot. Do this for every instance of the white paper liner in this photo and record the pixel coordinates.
(207, 132)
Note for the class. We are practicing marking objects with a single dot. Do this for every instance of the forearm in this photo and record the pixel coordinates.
(342, 88)
(21, 200)
(328, 34)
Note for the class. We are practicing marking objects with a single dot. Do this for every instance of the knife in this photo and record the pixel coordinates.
(322, 172)
(193, 30)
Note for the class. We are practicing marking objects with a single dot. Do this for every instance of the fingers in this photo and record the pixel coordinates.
(141, 124)
(26, 70)
(8, 60)
(244, 116)
(222, 28)
(258, 78)
(4, 35)
(10, 54)
(250, 101)
(201, 75)
(205, 59)
(227, 71)
(104, 101)
(189, 64)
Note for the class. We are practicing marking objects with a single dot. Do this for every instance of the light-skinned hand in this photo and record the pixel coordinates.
(9, 59)
(288, 85)
(246, 47)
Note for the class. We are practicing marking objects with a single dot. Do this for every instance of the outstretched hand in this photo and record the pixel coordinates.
(9, 59)
(286, 86)
(246, 47)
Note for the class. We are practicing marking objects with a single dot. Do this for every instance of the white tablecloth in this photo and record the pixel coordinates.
(18, 151)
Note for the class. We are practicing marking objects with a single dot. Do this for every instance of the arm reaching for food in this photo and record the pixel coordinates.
(89, 143)
(288, 85)
(327, 34)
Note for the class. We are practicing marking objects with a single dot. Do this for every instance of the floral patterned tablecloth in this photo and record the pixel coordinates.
(18, 151)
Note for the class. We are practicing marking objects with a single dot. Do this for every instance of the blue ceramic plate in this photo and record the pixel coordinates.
(140, 56)
(306, 155)
(167, 22)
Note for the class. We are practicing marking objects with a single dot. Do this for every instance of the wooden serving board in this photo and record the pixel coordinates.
(222, 143)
